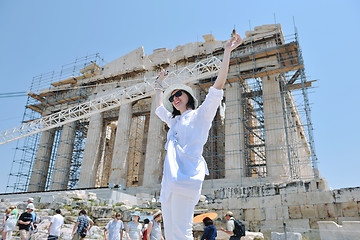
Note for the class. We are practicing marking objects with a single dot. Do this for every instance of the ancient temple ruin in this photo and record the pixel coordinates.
(261, 134)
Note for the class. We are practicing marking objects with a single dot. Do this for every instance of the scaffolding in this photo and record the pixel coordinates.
(261, 133)
(37, 105)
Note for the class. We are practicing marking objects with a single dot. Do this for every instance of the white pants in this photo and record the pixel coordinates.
(178, 213)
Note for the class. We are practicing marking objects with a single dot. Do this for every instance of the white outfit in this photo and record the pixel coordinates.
(134, 231)
(57, 221)
(184, 167)
(10, 223)
(114, 228)
(230, 225)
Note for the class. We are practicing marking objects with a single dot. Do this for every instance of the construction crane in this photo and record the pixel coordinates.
(191, 73)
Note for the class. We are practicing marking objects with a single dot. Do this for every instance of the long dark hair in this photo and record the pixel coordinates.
(190, 104)
(207, 221)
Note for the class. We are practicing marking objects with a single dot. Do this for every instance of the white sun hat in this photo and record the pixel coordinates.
(167, 104)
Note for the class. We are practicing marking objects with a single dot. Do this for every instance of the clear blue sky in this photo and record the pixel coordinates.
(40, 36)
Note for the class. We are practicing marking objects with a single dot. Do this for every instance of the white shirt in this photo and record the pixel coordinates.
(134, 230)
(230, 225)
(184, 167)
(57, 221)
(114, 228)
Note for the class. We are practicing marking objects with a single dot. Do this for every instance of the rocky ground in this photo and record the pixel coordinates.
(99, 211)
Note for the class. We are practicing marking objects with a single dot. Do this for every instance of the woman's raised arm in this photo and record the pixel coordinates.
(234, 42)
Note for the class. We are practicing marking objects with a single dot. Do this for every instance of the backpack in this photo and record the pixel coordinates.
(239, 230)
(83, 232)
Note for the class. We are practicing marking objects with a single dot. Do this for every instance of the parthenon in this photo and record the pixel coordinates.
(261, 133)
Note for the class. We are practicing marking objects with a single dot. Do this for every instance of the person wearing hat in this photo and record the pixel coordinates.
(133, 228)
(33, 229)
(184, 167)
(114, 228)
(230, 226)
(25, 222)
(154, 228)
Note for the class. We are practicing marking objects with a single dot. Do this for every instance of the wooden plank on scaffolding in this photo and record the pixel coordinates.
(300, 85)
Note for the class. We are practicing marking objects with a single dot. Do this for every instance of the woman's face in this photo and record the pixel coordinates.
(180, 102)
(135, 218)
(158, 217)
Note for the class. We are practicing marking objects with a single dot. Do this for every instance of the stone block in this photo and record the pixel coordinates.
(47, 199)
(144, 196)
(350, 209)
(334, 210)
(259, 214)
(322, 211)
(297, 225)
(288, 236)
(125, 208)
(271, 225)
(294, 199)
(101, 222)
(331, 231)
(347, 194)
(320, 197)
(92, 196)
(253, 225)
(270, 213)
(249, 214)
(64, 199)
(102, 212)
(253, 235)
(313, 222)
(308, 211)
(270, 201)
(294, 212)
(70, 220)
(294, 187)
(340, 220)
(240, 203)
(269, 190)
(282, 213)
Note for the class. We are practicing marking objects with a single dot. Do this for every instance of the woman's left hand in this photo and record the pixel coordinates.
(234, 42)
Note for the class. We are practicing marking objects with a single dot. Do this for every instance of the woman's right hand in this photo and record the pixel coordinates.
(161, 76)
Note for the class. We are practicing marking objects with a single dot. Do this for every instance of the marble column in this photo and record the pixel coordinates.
(90, 162)
(234, 139)
(119, 163)
(277, 162)
(42, 160)
(60, 175)
(154, 149)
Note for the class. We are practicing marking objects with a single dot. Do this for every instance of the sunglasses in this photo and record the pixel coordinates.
(177, 94)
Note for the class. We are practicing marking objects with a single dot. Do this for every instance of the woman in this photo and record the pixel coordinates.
(6, 230)
(210, 230)
(114, 228)
(144, 230)
(184, 167)
(133, 228)
(14, 211)
(154, 228)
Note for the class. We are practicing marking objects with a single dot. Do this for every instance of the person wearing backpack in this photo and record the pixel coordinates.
(82, 226)
(233, 227)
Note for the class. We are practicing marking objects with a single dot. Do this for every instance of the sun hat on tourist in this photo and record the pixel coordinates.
(156, 212)
(167, 104)
(31, 206)
(137, 213)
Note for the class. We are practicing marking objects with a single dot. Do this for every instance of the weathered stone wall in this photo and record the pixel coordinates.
(300, 205)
